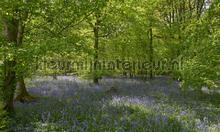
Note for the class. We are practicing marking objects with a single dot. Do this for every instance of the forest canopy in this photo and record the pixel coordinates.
(92, 39)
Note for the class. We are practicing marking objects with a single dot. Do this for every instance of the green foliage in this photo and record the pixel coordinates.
(201, 66)
(1, 79)
(4, 122)
(65, 30)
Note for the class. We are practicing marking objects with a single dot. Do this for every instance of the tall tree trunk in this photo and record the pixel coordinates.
(151, 52)
(9, 84)
(22, 94)
(9, 75)
(96, 48)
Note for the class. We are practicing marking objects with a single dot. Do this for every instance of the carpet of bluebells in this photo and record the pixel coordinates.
(70, 104)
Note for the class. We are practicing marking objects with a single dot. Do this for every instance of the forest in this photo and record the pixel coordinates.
(109, 66)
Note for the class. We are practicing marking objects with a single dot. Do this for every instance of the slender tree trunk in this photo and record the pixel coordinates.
(55, 76)
(96, 48)
(151, 52)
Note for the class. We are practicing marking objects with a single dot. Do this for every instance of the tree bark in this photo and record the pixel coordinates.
(9, 84)
(22, 94)
(151, 52)
(96, 48)
(9, 75)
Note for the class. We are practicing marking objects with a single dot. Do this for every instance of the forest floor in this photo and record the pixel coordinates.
(116, 104)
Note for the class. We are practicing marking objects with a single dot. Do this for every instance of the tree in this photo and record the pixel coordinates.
(99, 22)
(202, 55)
(12, 35)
